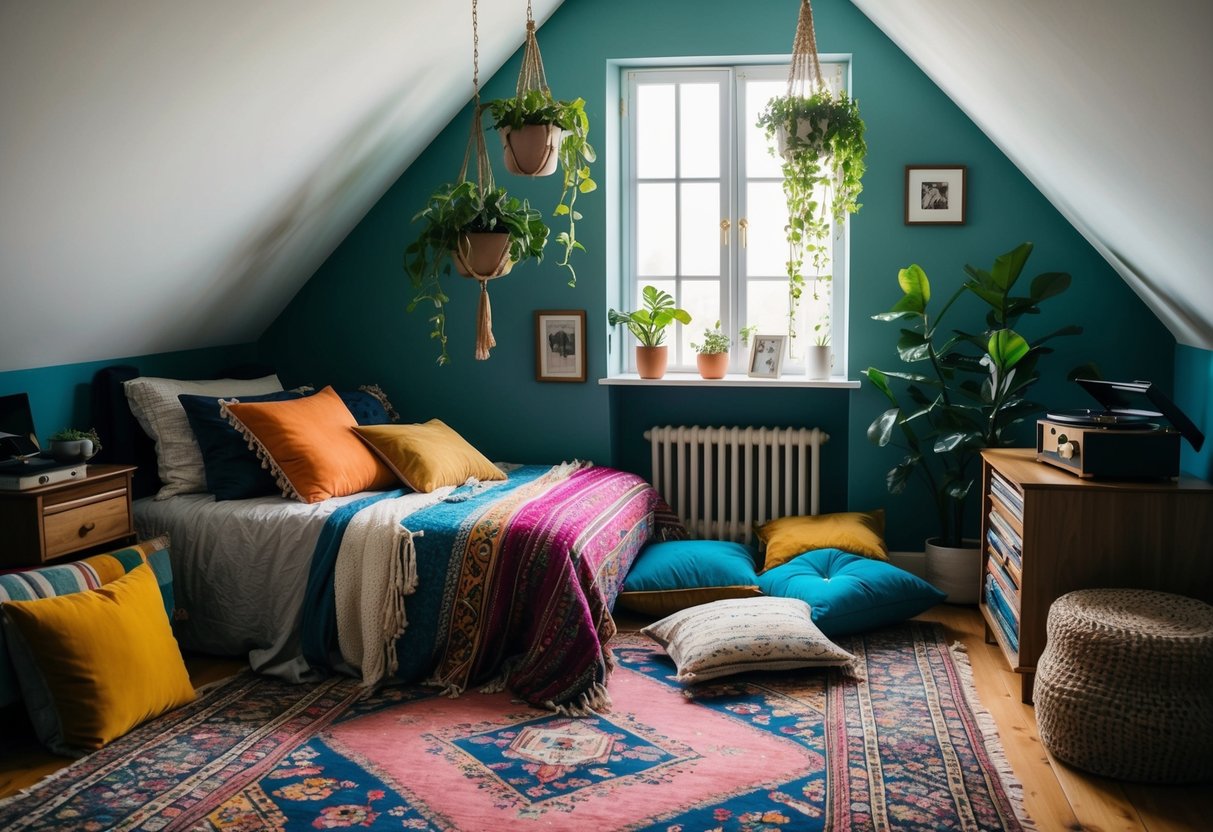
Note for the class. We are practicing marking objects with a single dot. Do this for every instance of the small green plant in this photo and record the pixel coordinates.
(75, 435)
(455, 209)
(824, 150)
(746, 333)
(576, 154)
(649, 324)
(714, 341)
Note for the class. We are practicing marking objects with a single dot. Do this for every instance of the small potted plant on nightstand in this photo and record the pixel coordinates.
(713, 354)
(71, 445)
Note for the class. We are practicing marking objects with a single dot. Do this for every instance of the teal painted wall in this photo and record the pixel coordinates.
(60, 395)
(349, 324)
(1194, 395)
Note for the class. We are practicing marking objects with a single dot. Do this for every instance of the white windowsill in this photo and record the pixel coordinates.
(731, 380)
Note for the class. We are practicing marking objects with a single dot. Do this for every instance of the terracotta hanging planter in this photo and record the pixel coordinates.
(483, 254)
(531, 150)
(651, 361)
(712, 365)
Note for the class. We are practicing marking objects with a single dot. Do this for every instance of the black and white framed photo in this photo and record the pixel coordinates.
(766, 355)
(935, 194)
(560, 345)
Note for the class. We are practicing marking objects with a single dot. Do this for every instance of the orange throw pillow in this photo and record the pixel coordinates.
(310, 446)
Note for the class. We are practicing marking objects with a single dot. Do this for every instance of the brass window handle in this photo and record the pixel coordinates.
(724, 232)
(744, 226)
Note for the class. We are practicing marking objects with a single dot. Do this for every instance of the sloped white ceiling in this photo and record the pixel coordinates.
(172, 171)
(1106, 106)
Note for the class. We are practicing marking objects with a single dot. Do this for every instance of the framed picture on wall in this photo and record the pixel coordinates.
(560, 345)
(766, 356)
(935, 194)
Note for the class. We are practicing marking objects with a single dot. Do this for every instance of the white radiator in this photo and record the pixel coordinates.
(723, 481)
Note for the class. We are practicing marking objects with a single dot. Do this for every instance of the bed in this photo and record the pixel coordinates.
(486, 584)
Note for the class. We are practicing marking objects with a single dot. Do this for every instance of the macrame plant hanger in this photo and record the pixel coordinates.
(532, 78)
(462, 255)
(804, 75)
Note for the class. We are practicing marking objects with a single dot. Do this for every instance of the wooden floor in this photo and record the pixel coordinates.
(1057, 796)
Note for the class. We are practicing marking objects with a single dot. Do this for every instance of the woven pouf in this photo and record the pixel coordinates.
(1124, 687)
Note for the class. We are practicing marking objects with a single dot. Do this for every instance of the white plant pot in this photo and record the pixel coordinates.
(803, 128)
(72, 450)
(820, 361)
(956, 571)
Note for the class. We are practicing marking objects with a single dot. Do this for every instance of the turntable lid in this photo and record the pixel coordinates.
(1139, 396)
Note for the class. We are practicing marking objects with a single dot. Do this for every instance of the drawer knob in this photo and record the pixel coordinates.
(86, 528)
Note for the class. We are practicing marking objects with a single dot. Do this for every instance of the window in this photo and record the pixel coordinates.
(704, 212)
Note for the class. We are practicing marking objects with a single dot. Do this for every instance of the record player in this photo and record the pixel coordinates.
(1135, 436)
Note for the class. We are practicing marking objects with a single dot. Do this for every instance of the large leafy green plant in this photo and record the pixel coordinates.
(456, 209)
(649, 324)
(965, 389)
(823, 147)
(576, 154)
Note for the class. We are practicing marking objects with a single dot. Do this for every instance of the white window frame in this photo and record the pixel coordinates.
(733, 197)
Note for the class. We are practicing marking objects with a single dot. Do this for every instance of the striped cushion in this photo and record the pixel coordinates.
(67, 578)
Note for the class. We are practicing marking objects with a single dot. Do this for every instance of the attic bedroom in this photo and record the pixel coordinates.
(314, 533)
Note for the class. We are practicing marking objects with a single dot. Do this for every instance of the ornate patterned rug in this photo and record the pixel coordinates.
(898, 742)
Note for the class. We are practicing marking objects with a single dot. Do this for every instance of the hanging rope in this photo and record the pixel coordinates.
(805, 73)
(484, 183)
(531, 76)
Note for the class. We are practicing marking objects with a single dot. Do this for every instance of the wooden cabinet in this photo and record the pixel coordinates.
(1073, 533)
(69, 518)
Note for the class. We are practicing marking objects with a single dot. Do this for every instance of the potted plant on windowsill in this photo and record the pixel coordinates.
(483, 233)
(649, 325)
(72, 445)
(712, 356)
(963, 392)
(538, 133)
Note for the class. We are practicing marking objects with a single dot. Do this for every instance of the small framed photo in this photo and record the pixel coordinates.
(560, 345)
(935, 194)
(766, 356)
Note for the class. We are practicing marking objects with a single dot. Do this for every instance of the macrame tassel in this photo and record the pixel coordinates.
(484, 324)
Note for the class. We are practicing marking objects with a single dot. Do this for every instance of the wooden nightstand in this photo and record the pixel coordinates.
(68, 518)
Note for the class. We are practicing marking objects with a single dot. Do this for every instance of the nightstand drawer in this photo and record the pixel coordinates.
(69, 526)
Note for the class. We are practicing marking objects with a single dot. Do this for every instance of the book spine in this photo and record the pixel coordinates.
(1002, 613)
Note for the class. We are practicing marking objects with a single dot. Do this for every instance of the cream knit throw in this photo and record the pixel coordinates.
(376, 569)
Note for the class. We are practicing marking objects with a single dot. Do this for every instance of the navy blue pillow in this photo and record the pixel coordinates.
(369, 406)
(233, 471)
(848, 593)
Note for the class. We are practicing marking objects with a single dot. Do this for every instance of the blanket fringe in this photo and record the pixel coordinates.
(989, 736)
(590, 702)
(402, 582)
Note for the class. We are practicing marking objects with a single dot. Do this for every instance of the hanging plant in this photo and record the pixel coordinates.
(820, 137)
(539, 133)
(477, 226)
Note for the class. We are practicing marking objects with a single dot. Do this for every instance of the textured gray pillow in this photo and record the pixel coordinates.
(741, 634)
(155, 406)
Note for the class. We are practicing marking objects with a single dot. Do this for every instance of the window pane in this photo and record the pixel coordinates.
(655, 131)
(767, 306)
(767, 212)
(702, 299)
(655, 226)
(699, 130)
(701, 228)
(758, 160)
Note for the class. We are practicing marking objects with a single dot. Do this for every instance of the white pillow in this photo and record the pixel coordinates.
(155, 406)
(741, 634)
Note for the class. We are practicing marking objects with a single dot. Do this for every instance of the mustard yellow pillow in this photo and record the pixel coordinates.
(93, 665)
(428, 456)
(861, 533)
(309, 446)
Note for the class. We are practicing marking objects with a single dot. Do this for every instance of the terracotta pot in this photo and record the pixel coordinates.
(651, 361)
(712, 365)
(955, 570)
(483, 254)
(531, 150)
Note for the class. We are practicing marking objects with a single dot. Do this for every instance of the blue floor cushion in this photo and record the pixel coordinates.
(849, 593)
(677, 574)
